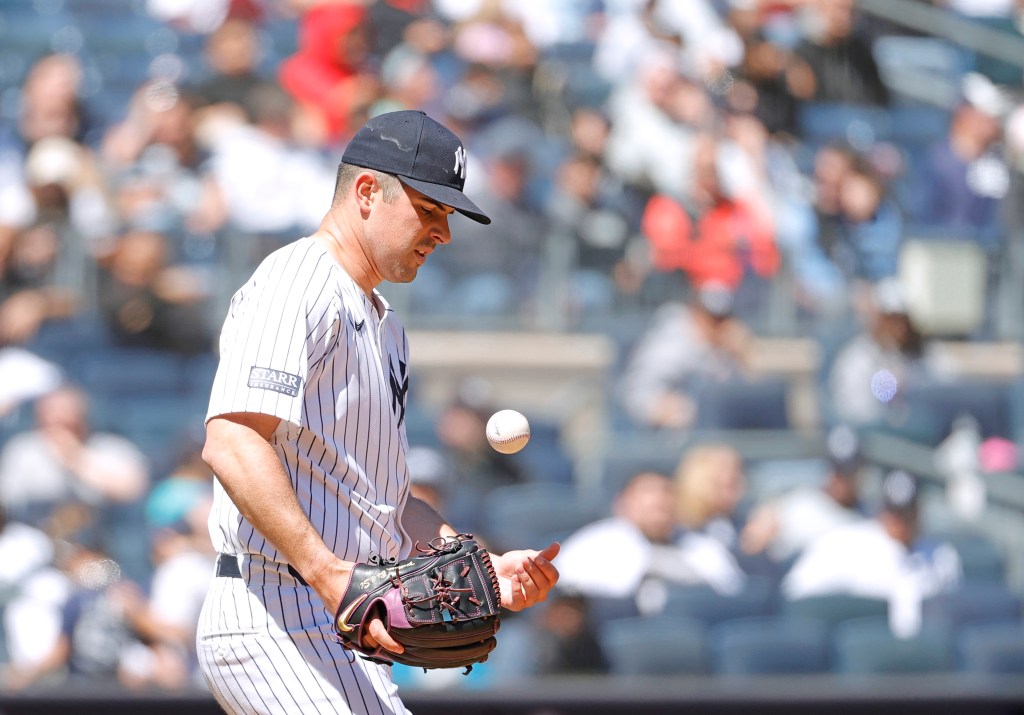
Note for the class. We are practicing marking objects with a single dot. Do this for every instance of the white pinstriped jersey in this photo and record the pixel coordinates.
(304, 343)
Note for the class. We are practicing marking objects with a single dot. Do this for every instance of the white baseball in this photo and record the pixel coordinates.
(508, 431)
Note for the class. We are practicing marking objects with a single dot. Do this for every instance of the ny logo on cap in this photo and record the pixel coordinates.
(460, 162)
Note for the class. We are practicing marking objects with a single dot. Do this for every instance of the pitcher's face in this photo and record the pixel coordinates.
(404, 232)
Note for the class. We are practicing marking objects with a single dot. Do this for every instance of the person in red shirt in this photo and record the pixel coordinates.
(716, 234)
(328, 75)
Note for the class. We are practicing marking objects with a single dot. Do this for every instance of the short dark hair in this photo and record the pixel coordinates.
(390, 186)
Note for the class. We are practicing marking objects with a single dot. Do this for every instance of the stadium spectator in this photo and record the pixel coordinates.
(180, 169)
(232, 54)
(65, 184)
(412, 22)
(563, 638)
(183, 561)
(493, 270)
(711, 487)
(185, 484)
(189, 16)
(430, 476)
(718, 233)
(491, 34)
(24, 550)
(589, 239)
(157, 129)
(785, 525)
(841, 59)
(967, 176)
(409, 80)
(329, 74)
(264, 176)
(31, 293)
(772, 80)
(832, 163)
(148, 303)
(685, 347)
(153, 159)
(96, 629)
(694, 36)
(51, 103)
(29, 376)
(64, 461)
(876, 365)
(475, 468)
(654, 121)
(57, 215)
(807, 231)
(885, 557)
(865, 245)
(644, 537)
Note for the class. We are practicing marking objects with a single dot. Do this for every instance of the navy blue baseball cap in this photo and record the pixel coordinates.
(422, 153)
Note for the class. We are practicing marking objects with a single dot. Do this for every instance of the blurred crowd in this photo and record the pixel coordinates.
(684, 176)
(674, 555)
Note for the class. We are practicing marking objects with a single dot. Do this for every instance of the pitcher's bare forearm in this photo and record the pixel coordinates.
(422, 523)
(239, 453)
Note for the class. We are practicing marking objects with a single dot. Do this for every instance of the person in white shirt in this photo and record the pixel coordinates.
(782, 527)
(650, 550)
(64, 460)
(881, 558)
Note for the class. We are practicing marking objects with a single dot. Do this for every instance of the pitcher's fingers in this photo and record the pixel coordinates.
(377, 634)
(541, 568)
(550, 551)
(517, 600)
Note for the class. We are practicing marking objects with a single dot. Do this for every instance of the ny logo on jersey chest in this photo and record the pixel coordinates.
(399, 387)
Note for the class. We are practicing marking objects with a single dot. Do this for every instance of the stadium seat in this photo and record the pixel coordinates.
(971, 604)
(941, 403)
(824, 122)
(981, 558)
(544, 460)
(761, 404)
(130, 371)
(198, 374)
(154, 423)
(618, 466)
(23, 28)
(420, 426)
(865, 646)
(991, 648)
(833, 609)
(534, 514)
(768, 478)
(66, 340)
(655, 645)
(922, 68)
(610, 608)
(769, 645)
(704, 604)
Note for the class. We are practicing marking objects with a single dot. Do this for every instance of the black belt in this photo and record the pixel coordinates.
(227, 566)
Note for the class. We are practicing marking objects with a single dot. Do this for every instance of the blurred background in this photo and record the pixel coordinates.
(756, 276)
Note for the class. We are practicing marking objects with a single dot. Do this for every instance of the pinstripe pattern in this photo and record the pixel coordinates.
(275, 655)
(302, 342)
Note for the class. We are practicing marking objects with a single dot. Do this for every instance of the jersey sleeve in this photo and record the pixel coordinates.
(279, 327)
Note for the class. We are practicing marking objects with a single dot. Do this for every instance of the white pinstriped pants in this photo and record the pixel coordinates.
(267, 650)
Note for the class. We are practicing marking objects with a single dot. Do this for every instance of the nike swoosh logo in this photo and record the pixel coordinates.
(342, 623)
(360, 324)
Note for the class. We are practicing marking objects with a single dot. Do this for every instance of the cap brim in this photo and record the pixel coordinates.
(449, 197)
